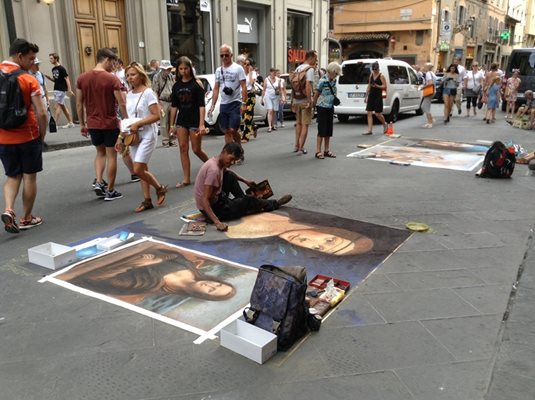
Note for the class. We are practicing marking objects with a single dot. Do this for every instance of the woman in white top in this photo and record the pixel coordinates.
(429, 79)
(142, 105)
(271, 96)
(248, 126)
(473, 80)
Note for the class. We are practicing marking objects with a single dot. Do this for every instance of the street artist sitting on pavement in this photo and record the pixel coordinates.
(527, 109)
(215, 182)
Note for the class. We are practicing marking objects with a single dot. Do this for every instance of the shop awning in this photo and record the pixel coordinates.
(363, 37)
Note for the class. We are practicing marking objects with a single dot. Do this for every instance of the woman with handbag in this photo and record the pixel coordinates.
(270, 97)
(473, 81)
(450, 83)
(143, 108)
(324, 100)
(429, 93)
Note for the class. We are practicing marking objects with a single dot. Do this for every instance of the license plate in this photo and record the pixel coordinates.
(356, 95)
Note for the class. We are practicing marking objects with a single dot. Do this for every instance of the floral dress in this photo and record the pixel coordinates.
(511, 89)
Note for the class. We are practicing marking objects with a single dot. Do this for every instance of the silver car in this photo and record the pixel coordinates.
(208, 81)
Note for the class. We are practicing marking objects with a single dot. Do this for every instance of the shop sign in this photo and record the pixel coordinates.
(444, 46)
(205, 5)
(296, 55)
(445, 30)
(247, 26)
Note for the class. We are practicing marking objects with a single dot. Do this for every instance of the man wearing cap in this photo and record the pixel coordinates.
(162, 85)
(34, 70)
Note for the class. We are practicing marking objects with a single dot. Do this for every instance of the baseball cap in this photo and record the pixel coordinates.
(165, 64)
(37, 61)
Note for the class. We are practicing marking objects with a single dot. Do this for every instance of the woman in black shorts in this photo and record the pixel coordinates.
(188, 98)
(374, 98)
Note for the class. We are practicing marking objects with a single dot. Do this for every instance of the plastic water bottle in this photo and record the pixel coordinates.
(210, 118)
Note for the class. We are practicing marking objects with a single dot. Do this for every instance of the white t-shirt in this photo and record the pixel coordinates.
(249, 81)
(474, 80)
(230, 77)
(141, 104)
(462, 74)
(271, 86)
(310, 78)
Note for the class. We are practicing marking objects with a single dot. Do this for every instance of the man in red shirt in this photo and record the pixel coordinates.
(97, 93)
(21, 148)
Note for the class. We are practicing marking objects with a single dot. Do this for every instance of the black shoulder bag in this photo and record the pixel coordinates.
(336, 100)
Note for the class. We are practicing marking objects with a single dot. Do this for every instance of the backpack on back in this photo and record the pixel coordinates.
(499, 162)
(278, 304)
(13, 111)
(298, 82)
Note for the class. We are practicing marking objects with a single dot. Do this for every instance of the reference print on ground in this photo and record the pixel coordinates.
(431, 153)
(181, 287)
(202, 282)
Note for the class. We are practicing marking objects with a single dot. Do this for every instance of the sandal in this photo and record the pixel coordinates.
(269, 129)
(319, 155)
(368, 133)
(145, 205)
(329, 154)
(160, 192)
(182, 184)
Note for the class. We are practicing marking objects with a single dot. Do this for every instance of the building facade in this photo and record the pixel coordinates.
(434, 31)
(275, 33)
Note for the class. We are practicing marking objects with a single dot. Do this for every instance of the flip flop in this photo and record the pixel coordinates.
(182, 184)
(160, 192)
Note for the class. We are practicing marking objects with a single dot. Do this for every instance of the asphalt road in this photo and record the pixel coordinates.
(430, 320)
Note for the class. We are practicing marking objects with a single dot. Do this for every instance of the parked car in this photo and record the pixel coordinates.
(438, 87)
(524, 61)
(288, 104)
(402, 93)
(208, 81)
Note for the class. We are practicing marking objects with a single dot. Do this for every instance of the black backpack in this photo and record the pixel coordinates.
(499, 162)
(278, 304)
(13, 111)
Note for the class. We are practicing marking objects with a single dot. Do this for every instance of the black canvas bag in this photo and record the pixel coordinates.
(278, 303)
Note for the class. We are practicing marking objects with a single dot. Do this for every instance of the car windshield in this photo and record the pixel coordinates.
(355, 73)
(524, 61)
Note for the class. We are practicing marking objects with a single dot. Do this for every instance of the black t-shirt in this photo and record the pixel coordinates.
(187, 97)
(59, 74)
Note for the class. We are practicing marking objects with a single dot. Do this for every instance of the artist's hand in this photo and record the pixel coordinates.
(222, 227)
(251, 184)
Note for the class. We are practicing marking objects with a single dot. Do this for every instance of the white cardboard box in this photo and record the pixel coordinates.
(249, 341)
(52, 255)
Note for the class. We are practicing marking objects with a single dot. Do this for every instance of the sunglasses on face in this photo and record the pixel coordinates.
(224, 55)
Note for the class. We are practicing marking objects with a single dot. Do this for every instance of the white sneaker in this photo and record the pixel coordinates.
(69, 125)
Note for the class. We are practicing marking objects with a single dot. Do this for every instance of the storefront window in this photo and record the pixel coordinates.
(298, 41)
(189, 33)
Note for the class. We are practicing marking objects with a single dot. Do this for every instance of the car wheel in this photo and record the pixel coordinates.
(394, 113)
(343, 118)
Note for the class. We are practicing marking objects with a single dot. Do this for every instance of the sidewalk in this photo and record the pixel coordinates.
(66, 138)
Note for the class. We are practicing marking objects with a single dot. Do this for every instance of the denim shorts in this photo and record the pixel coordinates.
(230, 115)
(23, 158)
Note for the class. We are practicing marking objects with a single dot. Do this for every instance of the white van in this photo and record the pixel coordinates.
(402, 92)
